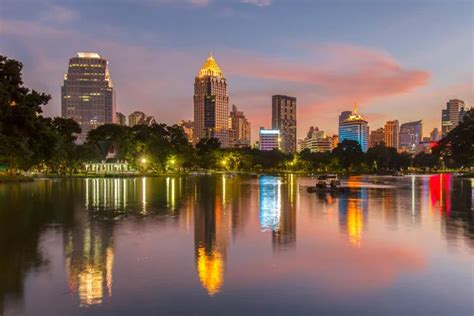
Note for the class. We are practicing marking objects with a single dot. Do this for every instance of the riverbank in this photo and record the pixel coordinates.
(5, 179)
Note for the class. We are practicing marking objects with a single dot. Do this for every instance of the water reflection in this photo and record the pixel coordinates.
(220, 212)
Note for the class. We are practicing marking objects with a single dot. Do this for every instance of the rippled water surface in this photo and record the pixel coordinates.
(201, 245)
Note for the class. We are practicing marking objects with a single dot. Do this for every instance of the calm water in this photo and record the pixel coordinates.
(202, 245)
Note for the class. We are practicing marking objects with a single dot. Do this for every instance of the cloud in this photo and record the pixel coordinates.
(258, 3)
(60, 15)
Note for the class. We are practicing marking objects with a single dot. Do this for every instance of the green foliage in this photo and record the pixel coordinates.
(349, 154)
(457, 148)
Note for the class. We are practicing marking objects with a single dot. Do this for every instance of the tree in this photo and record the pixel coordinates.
(382, 158)
(349, 154)
(457, 148)
(21, 123)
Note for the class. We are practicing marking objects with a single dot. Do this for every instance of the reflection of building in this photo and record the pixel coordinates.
(211, 103)
(89, 258)
(352, 211)
(411, 136)
(284, 120)
(269, 139)
(211, 231)
(392, 130)
(239, 129)
(451, 116)
(355, 128)
(278, 210)
(87, 95)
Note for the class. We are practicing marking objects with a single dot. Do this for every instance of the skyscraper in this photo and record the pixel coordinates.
(87, 95)
(211, 103)
(284, 120)
(240, 129)
(354, 127)
(451, 116)
(434, 135)
(411, 136)
(392, 131)
(376, 137)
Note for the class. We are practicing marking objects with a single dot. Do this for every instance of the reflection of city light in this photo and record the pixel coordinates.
(440, 190)
(354, 224)
(413, 195)
(223, 189)
(210, 270)
(270, 203)
(144, 194)
(90, 286)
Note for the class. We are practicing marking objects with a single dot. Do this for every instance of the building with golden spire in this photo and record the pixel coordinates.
(211, 103)
(354, 127)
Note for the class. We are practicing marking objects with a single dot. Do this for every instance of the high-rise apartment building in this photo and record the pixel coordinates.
(211, 103)
(392, 132)
(354, 127)
(376, 137)
(135, 118)
(87, 95)
(239, 135)
(451, 116)
(317, 141)
(284, 120)
(269, 139)
(411, 135)
(120, 119)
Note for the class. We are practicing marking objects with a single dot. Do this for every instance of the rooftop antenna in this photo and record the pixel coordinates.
(355, 107)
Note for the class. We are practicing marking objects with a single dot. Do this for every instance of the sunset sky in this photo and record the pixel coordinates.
(399, 59)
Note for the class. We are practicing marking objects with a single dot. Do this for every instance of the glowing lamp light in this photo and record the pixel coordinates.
(143, 160)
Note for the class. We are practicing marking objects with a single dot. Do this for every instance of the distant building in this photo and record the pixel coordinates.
(188, 127)
(376, 137)
(300, 145)
(269, 139)
(451, 116)
(355, 128)
(211, 103)
(317, 141)
(284, 120)
(334, 141)
(392, 134)
(434, 135)
(344, 116)
(411, 135)
(239, 129)
(135, 118)
(87, 95)
(148, 121)
(120, 119)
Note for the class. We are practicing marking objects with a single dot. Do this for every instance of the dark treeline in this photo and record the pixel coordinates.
(29, 141)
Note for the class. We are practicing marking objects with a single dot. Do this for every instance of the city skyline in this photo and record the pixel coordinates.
(327, 73)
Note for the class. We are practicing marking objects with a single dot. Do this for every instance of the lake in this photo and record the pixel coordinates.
(241, 245)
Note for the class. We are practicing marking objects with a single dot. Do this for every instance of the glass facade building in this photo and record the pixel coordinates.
(269, 139)
(354, 127)
(284, 120)
(87, 95)
(411, 135)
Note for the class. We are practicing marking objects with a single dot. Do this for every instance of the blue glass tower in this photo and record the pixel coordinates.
(354, 127)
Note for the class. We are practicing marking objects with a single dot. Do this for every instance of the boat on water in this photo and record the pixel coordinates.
(326, 183)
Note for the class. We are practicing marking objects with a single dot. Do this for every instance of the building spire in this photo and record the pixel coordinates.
(355, 107)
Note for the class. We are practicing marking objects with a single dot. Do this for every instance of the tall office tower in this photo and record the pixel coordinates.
(188, 127)
(240, 129)
(269, 139)
(120, 119)
(434, 135)
(451, 116)
(354, 127)
(87, 95)
(411, 136)
(211, 103)
(376, 137)
(392, 131)
(284, 120)
(344, 116)
(135, 118)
